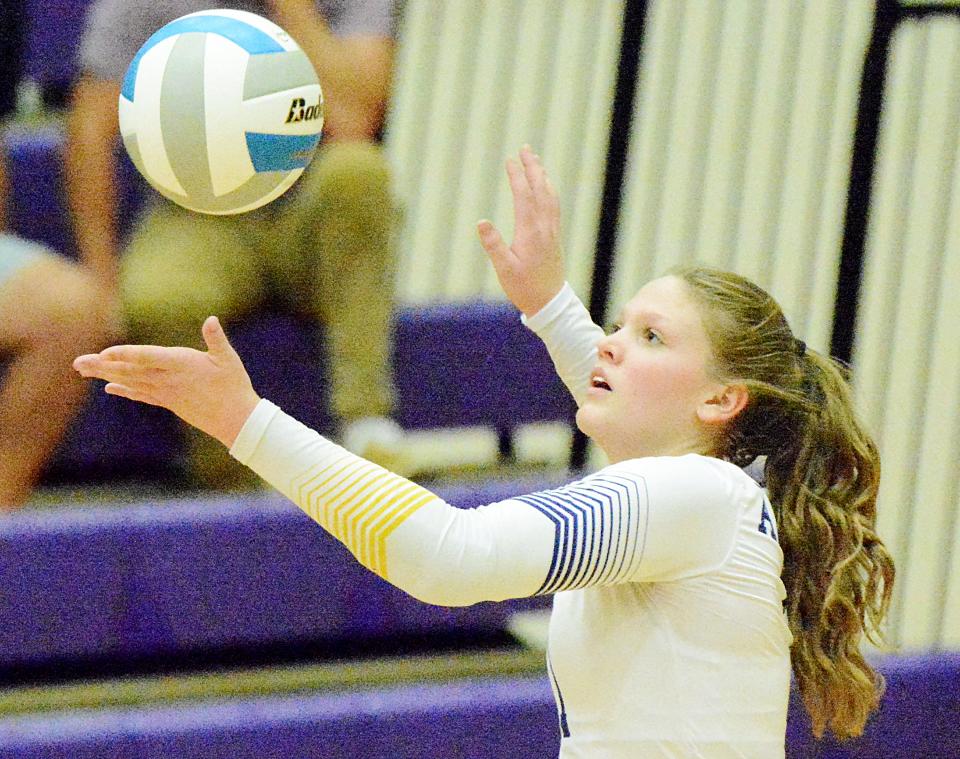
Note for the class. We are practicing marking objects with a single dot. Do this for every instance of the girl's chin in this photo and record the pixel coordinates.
(587, 420)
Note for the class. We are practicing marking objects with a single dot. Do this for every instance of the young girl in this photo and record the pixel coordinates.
(683, 589)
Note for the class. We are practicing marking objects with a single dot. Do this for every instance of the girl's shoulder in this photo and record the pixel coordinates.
(688, 466)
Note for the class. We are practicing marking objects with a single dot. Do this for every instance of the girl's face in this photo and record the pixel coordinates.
(651, 392)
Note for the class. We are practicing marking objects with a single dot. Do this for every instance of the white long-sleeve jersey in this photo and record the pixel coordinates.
(667, 637)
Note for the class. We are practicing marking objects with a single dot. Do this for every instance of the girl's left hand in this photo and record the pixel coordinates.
(530, 269)
(210, 390)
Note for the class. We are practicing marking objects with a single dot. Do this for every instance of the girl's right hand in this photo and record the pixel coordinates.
(210, 390)
(530, 270)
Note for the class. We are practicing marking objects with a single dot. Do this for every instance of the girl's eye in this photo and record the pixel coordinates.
(650, 336)
(615, 327)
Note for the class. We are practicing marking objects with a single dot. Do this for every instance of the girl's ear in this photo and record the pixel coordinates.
(724, 404)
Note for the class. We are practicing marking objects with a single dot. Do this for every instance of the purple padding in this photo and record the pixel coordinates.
(474, 363)
(54, 29)
(112, 436)
(512, 717)
(183, 576)
(36, 206)
(454, 365)
(287, 361)
(919, 716)
(490, 719)
(470, 363)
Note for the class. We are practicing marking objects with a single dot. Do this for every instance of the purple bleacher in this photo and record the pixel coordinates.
(497, 718)
(52, 42)
(176, 577)
(454, 365)
(474, 363)
(36, 205)
(472, 719)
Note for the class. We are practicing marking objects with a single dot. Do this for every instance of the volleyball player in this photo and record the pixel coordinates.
(683, 588)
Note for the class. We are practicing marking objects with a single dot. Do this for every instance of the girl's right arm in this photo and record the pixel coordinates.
(639, 520)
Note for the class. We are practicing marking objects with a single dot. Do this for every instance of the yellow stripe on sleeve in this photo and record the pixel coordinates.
(311, 484)
(396, 520)
(356, 501)
(400, 507)
(361, 504)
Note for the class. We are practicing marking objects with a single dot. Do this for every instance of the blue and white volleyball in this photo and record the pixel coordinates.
(221, 111)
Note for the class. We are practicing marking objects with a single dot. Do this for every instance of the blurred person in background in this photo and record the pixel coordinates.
(48, 306)
(333, 262)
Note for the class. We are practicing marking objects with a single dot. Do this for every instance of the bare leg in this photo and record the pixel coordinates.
(50, 312)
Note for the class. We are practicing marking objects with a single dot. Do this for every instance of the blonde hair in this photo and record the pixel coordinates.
(822, 473)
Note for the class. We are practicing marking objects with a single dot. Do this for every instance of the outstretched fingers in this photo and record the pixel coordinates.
(153, 356)
(142, 396)
(542, 190)
(136, 376)
(533, 169)
(517, 176)
(530, 268)
(525, 205)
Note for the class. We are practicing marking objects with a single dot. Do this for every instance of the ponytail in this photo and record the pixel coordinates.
(822, 474)
(838, 574)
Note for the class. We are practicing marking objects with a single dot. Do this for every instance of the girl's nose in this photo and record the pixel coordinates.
(609, 349)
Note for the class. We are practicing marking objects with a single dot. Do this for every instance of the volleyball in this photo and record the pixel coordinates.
(221, 111)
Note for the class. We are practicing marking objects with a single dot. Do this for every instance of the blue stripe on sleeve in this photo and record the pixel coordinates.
(600, 528)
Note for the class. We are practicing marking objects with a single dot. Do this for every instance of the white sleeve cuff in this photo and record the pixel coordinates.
(253, 430)
(566, 329)
(551, 311)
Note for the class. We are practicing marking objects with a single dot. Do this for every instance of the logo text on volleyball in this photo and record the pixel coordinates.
(300, 111)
